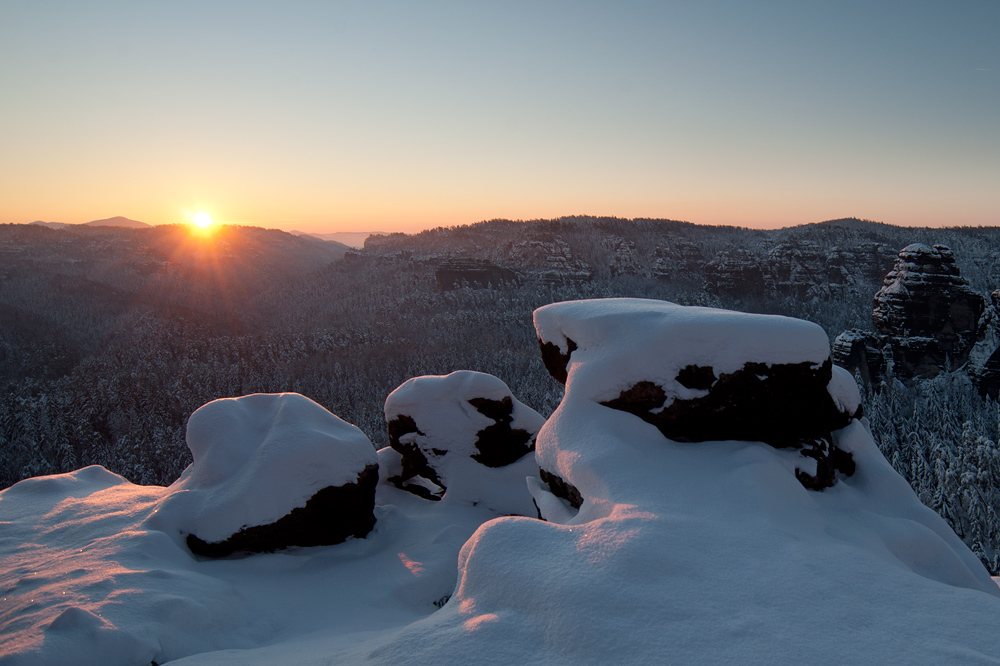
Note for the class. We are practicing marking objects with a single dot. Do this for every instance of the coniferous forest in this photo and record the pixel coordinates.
(111, 337)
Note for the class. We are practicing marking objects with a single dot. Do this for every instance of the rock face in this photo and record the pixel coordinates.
(463, 437)
(699, 374)
(682, 260)
(454, 273)
(860, 351)
(737, 273)
(926, 312)
(927, 320)
(272, 471)
(984, 358)
(550, 260)
(801, 269)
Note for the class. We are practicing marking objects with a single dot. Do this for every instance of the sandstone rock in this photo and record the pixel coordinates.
(455, 273)
(272, 471)
(463, 437)
(679, 261)
(550, 260)
(926, 312)
(860, 351)
(984, 358)
(737, 273)
(699, 374)
(624, 259)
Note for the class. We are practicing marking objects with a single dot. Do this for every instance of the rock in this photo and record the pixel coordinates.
(623, 257)
(682, 260)
(455, 273)
(700, 374)
(550, 260)
(860, 351)
(272, 471)
(463, 437)
(736, 273)
(926, 312)
(984, 358)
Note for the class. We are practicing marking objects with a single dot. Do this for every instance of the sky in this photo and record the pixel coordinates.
(399, 116)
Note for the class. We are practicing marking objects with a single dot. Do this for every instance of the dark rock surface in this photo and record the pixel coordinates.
(555, 361)
(499, 445)
(561, 488)
(927, 320)
(984, 358)
(735, 273)
(781, 405)
(926, 312)
(329, 517)
(454, 428)
(455, 273)
(860, 351)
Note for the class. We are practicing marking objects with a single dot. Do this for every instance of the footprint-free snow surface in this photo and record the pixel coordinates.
(652, 550)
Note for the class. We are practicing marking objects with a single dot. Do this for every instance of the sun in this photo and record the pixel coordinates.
(203, 225)
(202, 220)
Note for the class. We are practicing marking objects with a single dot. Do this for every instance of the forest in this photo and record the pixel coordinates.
(110, 338)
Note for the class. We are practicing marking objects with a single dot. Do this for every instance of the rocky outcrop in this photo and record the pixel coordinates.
(984, 358)
(456, 273)
(682, 260)
(860, 352)
(462, 436)
(758, 378)
(550, 260)
(623, 257)
(272, 471)
(926, 313)
(329, 517)
(736, 273)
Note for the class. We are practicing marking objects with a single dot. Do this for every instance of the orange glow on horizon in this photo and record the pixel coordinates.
(202, 224)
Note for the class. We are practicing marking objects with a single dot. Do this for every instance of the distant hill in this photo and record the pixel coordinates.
(51, 225)
(355, 239)
(118, 221)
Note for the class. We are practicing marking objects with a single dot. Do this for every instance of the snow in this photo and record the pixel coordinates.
(664, 337)
(255, 459)
(693, 553)
(449, 426)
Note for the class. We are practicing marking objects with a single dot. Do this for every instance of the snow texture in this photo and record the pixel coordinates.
(449, 424)
(692, 553)
(662, 338)
(255, 459)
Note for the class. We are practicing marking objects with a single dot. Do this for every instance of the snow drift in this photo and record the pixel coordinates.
(653, 550)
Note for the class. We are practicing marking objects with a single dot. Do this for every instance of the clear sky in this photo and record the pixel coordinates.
(330, 116)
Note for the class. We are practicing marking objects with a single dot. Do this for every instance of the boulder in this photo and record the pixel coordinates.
(272, 471)
(462, 437)
(701, 374)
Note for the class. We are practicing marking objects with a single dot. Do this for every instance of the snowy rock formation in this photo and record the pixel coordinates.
(462, 436)
(478, 274)
(699, 374)
(927, 320)
(926, 312)
(984, 358)
(271, 471)
(708, 552)
(688, 552)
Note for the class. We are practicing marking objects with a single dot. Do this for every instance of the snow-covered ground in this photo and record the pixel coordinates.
(681, 552)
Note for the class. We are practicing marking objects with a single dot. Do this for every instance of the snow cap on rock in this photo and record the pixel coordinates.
(463, 433)
(259, 457)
